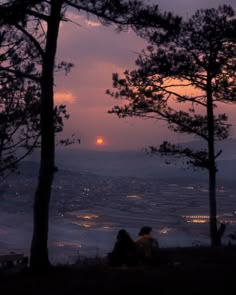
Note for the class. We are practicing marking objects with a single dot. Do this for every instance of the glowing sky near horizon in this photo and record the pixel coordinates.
(97, 52)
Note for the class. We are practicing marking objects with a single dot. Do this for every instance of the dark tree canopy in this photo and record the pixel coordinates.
(20, 65)
(19, 98)
(201, 58)
(182, 80)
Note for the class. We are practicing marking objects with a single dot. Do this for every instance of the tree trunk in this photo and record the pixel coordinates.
(215, 238)
(39, 249)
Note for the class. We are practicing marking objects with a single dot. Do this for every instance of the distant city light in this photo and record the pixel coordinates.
(225, 218)
(134, 197)
(164, 231)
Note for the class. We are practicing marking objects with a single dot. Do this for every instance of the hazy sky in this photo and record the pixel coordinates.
(97, 52)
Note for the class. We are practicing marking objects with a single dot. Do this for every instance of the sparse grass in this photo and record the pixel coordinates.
(193, 271)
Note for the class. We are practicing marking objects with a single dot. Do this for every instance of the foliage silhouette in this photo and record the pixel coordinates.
(20, 98)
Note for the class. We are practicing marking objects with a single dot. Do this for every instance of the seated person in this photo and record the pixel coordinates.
(147, 246)
(124, 252)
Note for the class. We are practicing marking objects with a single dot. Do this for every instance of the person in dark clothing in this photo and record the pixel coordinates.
(124, 251)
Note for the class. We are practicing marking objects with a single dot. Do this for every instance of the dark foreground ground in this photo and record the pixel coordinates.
(193, 271)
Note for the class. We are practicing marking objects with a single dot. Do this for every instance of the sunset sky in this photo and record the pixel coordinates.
(97, 52)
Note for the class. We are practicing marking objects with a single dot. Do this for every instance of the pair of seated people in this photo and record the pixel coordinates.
(128, 252)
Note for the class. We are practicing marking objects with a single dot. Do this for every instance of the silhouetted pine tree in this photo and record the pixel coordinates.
(51, 13)
(182, 80)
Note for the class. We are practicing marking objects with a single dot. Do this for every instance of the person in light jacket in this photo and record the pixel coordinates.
(147, 246)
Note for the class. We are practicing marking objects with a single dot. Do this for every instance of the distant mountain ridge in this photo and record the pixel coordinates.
(139, 163)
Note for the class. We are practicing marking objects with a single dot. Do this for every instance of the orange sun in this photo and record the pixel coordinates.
(99, 141)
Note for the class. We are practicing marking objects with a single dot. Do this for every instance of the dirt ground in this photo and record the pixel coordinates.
(191, 271)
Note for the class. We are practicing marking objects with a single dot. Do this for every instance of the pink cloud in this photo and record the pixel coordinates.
(64, 97)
